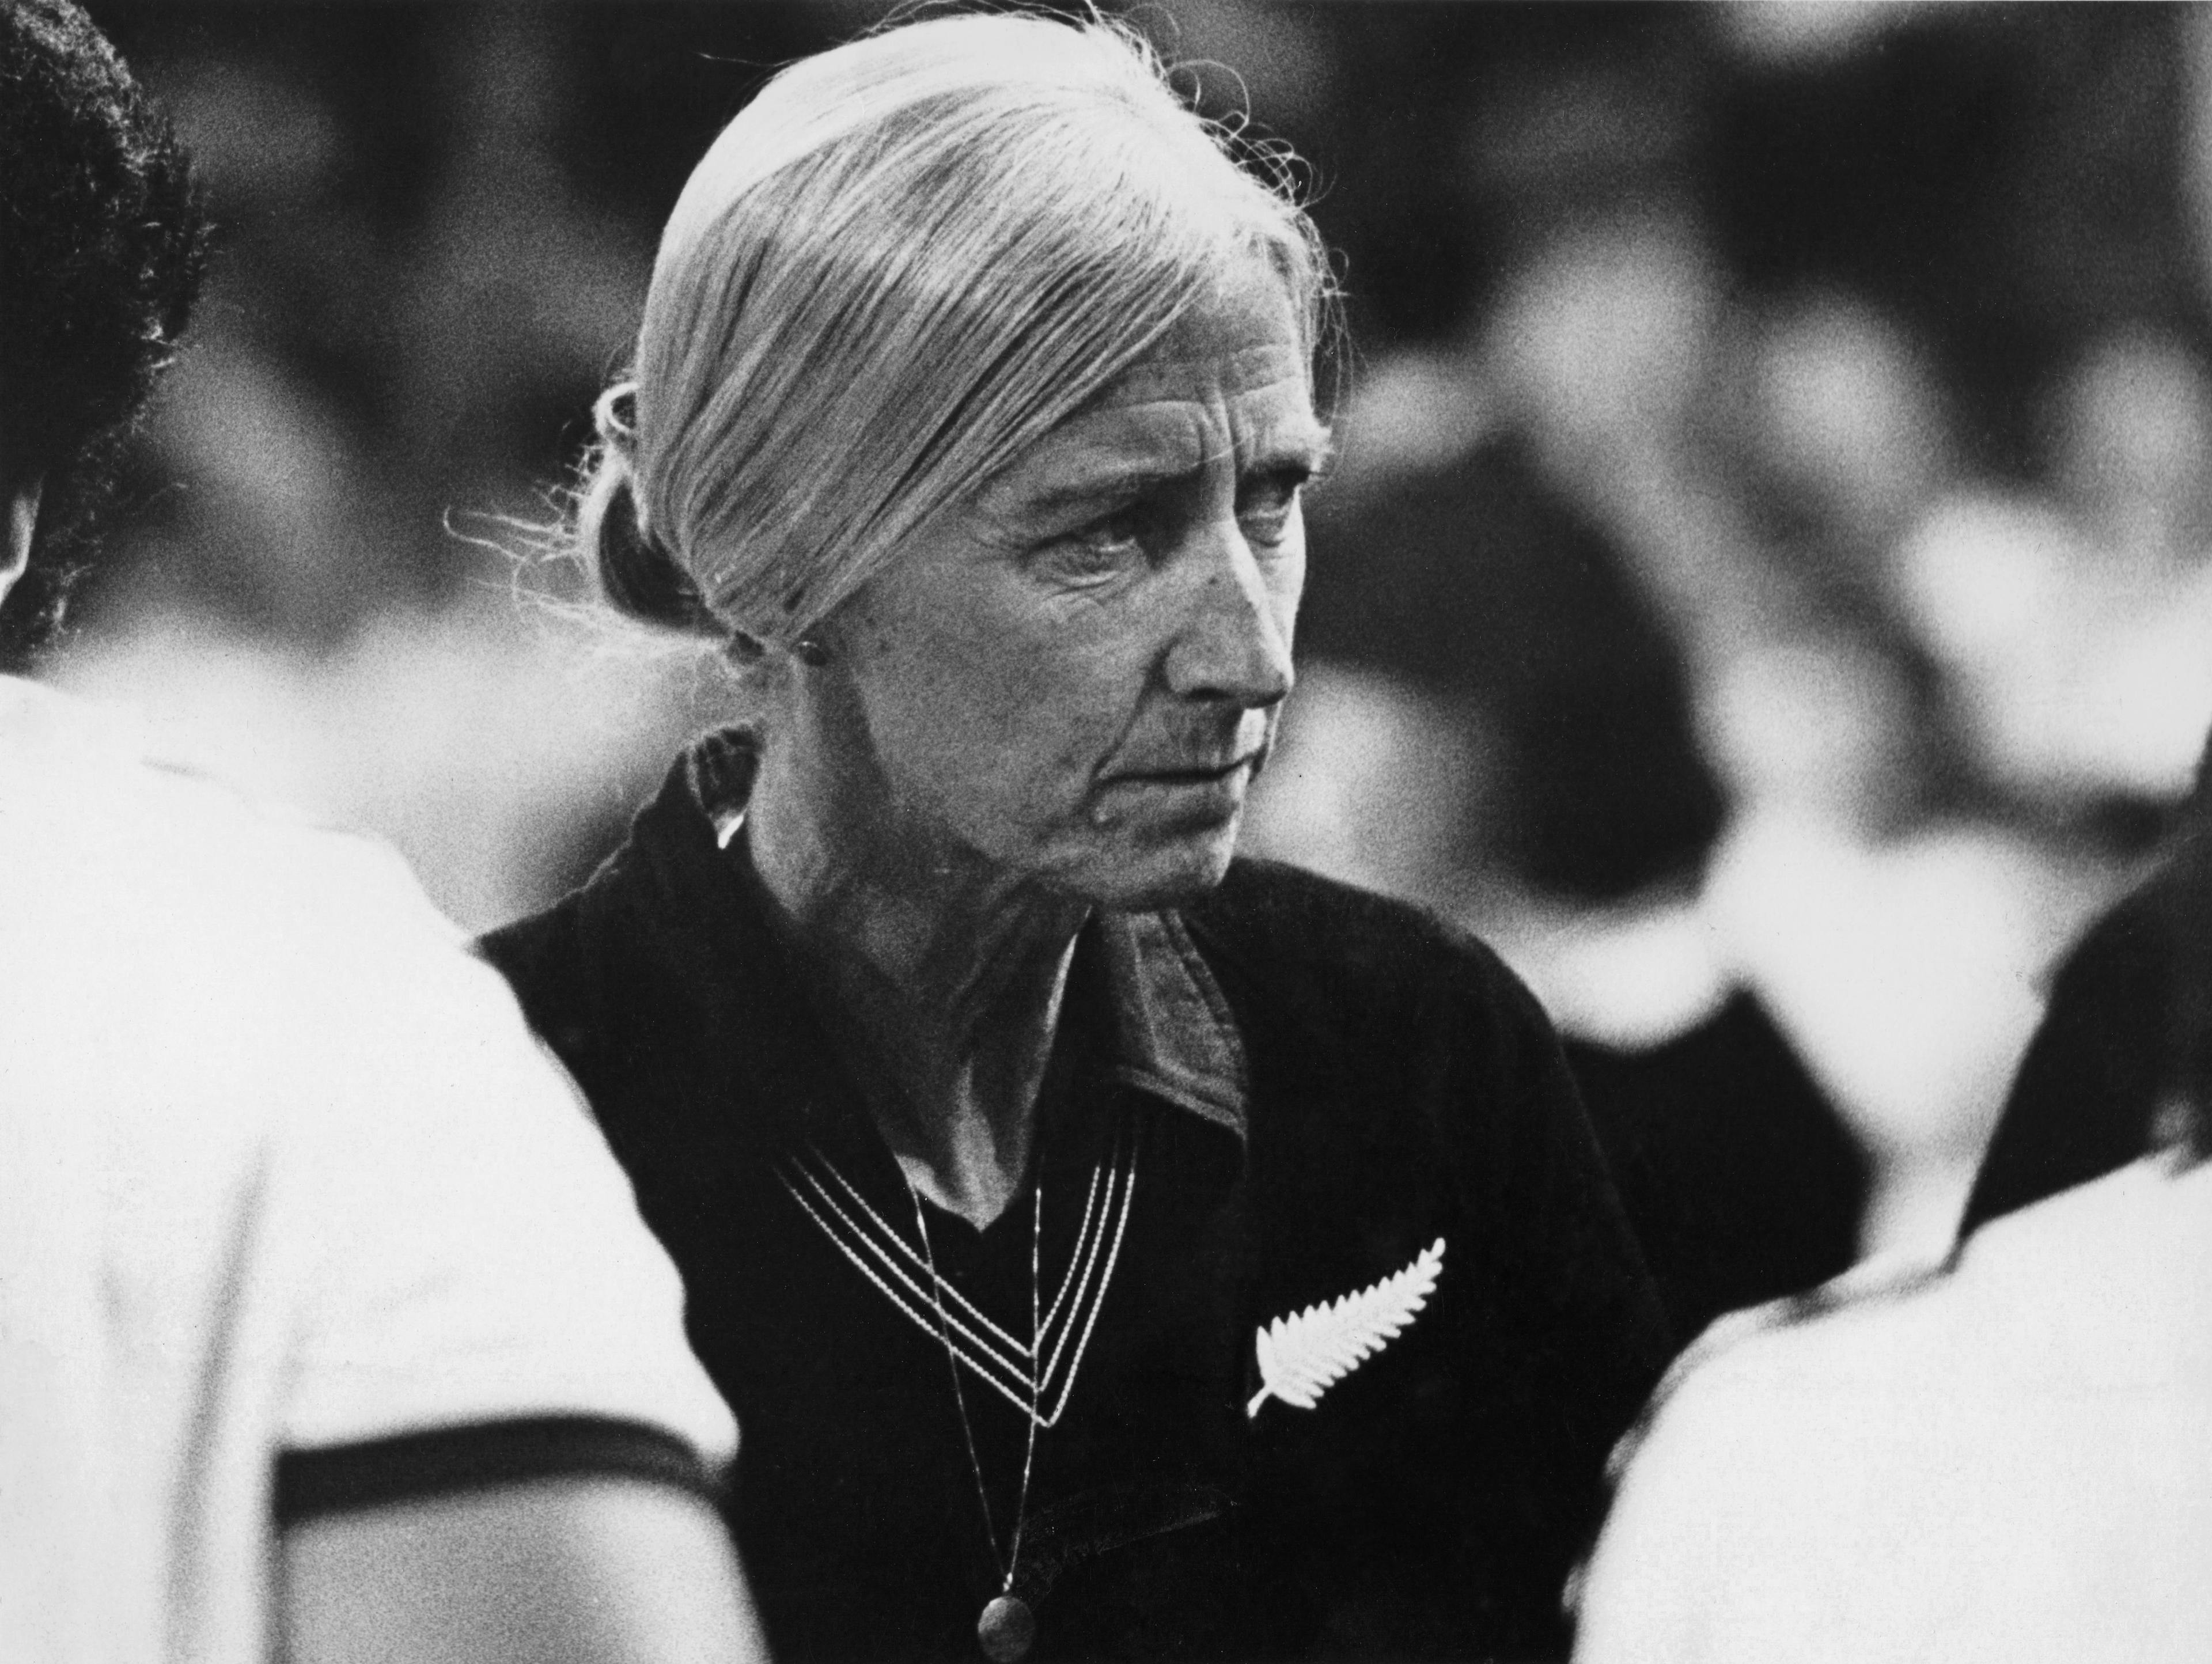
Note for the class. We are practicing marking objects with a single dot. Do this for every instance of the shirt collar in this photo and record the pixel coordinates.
(1173, 1035)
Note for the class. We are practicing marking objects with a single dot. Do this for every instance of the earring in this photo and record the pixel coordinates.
(811, 652)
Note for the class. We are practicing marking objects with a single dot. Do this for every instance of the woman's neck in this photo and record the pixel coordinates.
(948, 975)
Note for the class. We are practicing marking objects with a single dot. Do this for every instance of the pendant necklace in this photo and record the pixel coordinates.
(1007, 1626)
(1037, 1376)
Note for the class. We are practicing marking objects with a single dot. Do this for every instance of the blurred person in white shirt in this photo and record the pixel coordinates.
(2005, 1456)
(327, 1324)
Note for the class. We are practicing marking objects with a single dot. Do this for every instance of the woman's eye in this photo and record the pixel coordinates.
(1264, 509)
(1099, 549)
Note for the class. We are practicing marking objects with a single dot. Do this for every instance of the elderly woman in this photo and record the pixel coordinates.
(1109, 1249)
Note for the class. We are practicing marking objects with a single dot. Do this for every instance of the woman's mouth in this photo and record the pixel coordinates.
(1186, 774)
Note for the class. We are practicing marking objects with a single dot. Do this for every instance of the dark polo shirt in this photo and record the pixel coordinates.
(1311, 1085)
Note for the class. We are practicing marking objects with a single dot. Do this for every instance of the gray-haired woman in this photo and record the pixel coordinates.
(1109, 1249)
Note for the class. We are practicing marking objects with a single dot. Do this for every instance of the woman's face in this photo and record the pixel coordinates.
(1072, 677)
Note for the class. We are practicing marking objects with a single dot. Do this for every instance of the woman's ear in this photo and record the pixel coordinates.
(762, 674)
(22, 525)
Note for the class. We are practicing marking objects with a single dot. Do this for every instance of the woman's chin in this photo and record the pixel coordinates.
(1157, 873)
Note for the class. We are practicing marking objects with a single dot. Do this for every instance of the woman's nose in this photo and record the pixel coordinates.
(1235, 643)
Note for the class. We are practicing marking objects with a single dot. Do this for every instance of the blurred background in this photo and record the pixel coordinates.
(1763, 591)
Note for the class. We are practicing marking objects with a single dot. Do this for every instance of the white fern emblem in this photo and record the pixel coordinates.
(1302, 1357)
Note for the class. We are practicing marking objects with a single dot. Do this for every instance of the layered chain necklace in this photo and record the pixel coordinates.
(1028, 1374)
(1007, 1625)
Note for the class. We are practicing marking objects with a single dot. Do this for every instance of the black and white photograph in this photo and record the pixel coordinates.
(1033, 831)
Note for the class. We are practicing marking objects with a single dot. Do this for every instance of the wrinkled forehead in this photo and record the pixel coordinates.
(1231, 378)
(1175, 416)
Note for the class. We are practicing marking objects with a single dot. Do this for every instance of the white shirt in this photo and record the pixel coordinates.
(280, 1171)
(2012, 1461)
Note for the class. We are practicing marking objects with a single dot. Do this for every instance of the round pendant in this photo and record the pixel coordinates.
(1005, 1629)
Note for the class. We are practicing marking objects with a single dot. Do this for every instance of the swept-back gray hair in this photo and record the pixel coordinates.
(902, 263)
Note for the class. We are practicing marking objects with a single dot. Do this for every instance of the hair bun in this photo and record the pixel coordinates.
(614, 415)
(637, 572)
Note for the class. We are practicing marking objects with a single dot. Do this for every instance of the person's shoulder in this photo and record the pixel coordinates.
(1760, 1419)
(245, 953)
(1299, 925)
(1914, 1442)
(539, 953)
(1852, 1328)
(557, 967)
(88, 805)
(576, 962)
(2064, 1291)
(2115, 1270)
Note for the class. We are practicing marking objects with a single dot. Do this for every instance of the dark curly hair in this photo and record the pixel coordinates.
(102, 241)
